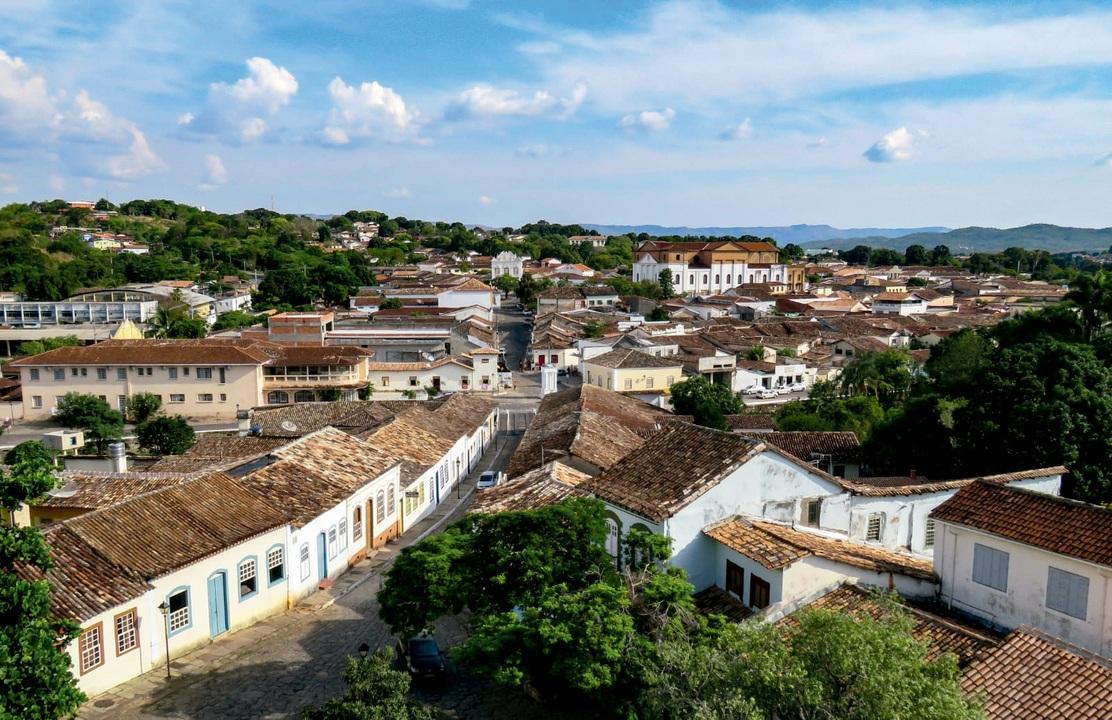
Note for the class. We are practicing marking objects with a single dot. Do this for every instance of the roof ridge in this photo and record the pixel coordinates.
(1062, 644)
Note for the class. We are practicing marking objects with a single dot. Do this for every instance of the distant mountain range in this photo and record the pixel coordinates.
(1052, 238)
(783, 235)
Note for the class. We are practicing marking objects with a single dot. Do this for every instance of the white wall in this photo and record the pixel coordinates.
(774, 578)
(1024, 601)
(811, 574)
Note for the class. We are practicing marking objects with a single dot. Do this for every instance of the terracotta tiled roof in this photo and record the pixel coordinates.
(751, 421)
(218, 452)
(411, 366)
(158, 532)
(544, 486)
(716, 601)
(158, 352)
(598, 426)
(560, 292)
(292, 421)
(320, 355)
(776, 546)
(316, 473)
(88, 491)
(1032, 676)
(805, 444)
(1055, 524)
(407, 440)
(886, 486)
(674, 467)
(83, 582)
(945, 635)
(622, 359)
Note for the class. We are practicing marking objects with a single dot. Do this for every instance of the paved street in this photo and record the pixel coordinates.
(295, 660)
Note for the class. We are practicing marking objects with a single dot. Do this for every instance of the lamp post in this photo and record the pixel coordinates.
(165, 610)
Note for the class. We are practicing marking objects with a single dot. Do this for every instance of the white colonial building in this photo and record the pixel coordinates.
(506, 263)
(709, 268)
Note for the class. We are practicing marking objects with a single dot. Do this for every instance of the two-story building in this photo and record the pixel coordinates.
(633, 372)
(708, 268)
(506, 263)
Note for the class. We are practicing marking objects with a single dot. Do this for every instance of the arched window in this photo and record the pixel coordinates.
(717, 279)
(390, 500)
(727, 279)
(612, 537)
(690, 279)
(277, 397)
(304, 396)
(357, 523)
(380, 507)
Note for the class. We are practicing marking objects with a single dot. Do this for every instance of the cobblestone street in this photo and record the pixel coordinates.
(295, 660)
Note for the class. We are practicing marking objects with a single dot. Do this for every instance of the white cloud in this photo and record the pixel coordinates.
(741, 131)
(893, 147)
(817, 143)
(398, 192)
(535, 150)
(215, 173)
(1105, 160)
(486, 200)
(26, 104)
(238, 112)
(486, 100)
(57, 183)
(138, 161)
(369, 111)
(8, 185)
(648, 120)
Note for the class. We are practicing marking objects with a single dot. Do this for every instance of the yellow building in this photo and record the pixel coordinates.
(632, 371)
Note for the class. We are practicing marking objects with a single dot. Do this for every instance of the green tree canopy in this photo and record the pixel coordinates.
(141, 407)
(376, 691)
(92, 415)
(166, 435)
(708, 402)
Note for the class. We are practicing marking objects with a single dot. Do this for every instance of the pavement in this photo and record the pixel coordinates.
(278, 667)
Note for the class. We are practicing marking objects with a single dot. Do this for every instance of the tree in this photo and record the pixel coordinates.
(99, 422)
(859, 255)
(819, 664)
(940, 255)
(34, 347)
(141, 407)
(376, 691)
(29, 450)
(1092, 295)
(526, 289)
(506, 283)
(792, 252)
(592, 330)
(37, 678)
(885, 256)
(667, 289)
(173, 323)
(390, 304)
(660, 314)
(916, 255)
(235, 319)
(166, 435)
(885, 375)
(708, 402)
(824, 409)
(956, 360)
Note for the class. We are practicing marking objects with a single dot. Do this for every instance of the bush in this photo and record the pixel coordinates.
(141, 407)
(166, 435)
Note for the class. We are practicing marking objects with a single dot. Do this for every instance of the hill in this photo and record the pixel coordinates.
(783, 235)
(1052, 238)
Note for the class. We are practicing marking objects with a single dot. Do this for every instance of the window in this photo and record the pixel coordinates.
(727, 279)
(127, 637)
(613, 536)
(391, 500)
(385, 381)
(173, 373)
(990, 567)
(380, 506)
(275, 564)
(121, 373)
(34, 374)
(179, 610)
(690, 279)
(357, 523)
(73, 372)
(671, 380)
(928, 534)
(332, 543)
(248, 578)
(36, 401)
(223, 397)
(304, 556)
(60, 374)
(735, 579)
(629, 384)
(717, 279)
(412, 381)
(758, 592)
(223, 376)
(553, 359)
(185, 371)
(277, 397)
(102, 373)
(343, 530)
(304, 396)
(875, 527)
(813, 512)
(1067, 593)
(204, 373)
(177, 398)
(91, 648)
(204, 397)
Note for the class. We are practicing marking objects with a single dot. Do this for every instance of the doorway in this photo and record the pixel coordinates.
(218, 603)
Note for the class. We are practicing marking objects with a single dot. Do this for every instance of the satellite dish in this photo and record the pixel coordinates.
(289, 425)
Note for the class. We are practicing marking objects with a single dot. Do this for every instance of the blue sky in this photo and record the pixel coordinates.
(690, 112)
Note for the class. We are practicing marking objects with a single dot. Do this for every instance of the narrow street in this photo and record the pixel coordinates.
(289, 662)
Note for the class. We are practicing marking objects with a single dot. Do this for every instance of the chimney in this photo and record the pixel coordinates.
(117, 453)
(243, 421)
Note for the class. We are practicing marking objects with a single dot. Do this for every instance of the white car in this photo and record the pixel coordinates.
(783, 390)
(752, 390)
(768, 394)
(488, 479)
(799, 387)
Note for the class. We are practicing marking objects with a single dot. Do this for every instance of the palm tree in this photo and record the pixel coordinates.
(1092, 294)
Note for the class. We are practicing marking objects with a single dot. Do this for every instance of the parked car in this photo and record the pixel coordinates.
(799, 387)
(562, 372)
(488, 479)
(421, 656)
(768, 394)
(753, 390)
(783, 389)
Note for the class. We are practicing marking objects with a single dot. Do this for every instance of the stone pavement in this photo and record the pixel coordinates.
(288, 662)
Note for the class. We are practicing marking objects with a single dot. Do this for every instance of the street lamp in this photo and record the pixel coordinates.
(165, 610)
(364, 648)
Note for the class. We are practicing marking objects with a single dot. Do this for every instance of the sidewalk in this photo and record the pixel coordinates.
(192, 670)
